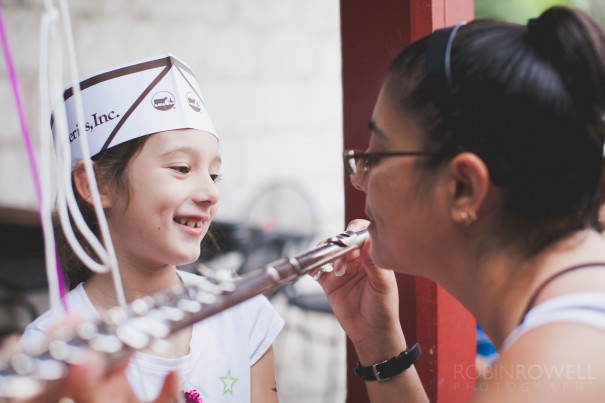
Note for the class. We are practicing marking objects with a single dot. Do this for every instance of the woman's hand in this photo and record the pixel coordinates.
(365, 301)
(364, 298)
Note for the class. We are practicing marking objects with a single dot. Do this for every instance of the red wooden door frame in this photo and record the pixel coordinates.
(372, 32)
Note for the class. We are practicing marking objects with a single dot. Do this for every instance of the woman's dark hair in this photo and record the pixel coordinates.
(529, 100)
(110, 168)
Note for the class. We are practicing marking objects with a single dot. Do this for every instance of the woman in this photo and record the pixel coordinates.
(483, 173)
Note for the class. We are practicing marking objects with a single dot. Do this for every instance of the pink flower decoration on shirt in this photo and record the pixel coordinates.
(193, 396)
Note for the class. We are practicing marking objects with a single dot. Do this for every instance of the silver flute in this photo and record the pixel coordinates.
(146, 322)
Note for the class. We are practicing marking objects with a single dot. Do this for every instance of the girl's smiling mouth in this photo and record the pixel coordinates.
(190, 222)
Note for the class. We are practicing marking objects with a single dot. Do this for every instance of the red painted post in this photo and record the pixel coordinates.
(372, 32)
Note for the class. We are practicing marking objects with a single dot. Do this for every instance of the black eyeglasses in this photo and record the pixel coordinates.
(357, 162)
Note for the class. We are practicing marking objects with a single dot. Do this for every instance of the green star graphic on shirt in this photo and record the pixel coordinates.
(228, 382)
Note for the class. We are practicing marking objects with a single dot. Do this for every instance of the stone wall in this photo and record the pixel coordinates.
(270, 73)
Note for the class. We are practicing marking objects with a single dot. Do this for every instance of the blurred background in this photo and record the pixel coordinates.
(270, 73)
(520, 11)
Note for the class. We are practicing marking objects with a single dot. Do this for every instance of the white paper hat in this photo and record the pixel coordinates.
(135, 100)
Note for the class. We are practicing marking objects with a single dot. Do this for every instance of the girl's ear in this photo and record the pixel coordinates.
(469, 185)
(83, 187)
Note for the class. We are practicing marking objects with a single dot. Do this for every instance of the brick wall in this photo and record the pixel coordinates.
(269, 70)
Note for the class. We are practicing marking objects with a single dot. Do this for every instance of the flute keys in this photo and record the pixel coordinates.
(177, 290)
(132, 336)
(142, 305)
(154, 323)
(115, 315)
(23, 364)
(172, 313)
(72, 352)
(19, 387)
(87, 330)
(49, 369)
(205, 297)
(189, 305)
(44, 367)
(227, 286)
(106, 343)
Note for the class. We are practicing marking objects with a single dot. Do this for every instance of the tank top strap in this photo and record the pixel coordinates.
(550, 279)
(586, 308)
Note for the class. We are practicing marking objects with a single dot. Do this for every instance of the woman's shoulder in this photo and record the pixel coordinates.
(555, 355)
(586, 307)
(555, 362)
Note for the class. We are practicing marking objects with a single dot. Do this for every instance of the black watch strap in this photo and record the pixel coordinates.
(381, 371)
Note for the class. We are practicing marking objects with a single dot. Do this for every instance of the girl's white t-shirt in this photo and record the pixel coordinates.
(223, 347)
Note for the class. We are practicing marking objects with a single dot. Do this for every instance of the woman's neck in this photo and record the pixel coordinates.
(505, 283)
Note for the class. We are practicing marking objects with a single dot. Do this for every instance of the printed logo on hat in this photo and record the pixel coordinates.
(194, 102)
(163, 101)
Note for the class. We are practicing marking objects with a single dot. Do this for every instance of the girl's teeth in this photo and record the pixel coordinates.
(190, 223)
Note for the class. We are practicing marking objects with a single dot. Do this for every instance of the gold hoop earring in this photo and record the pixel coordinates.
(468, 217)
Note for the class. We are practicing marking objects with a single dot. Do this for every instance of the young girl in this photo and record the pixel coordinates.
(156, 159)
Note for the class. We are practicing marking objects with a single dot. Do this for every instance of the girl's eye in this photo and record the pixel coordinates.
(216, 177)
(184, 169)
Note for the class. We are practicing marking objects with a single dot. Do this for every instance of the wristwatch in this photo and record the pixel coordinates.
(381, 371)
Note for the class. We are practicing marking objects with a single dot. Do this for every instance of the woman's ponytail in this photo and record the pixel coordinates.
(575, 45)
